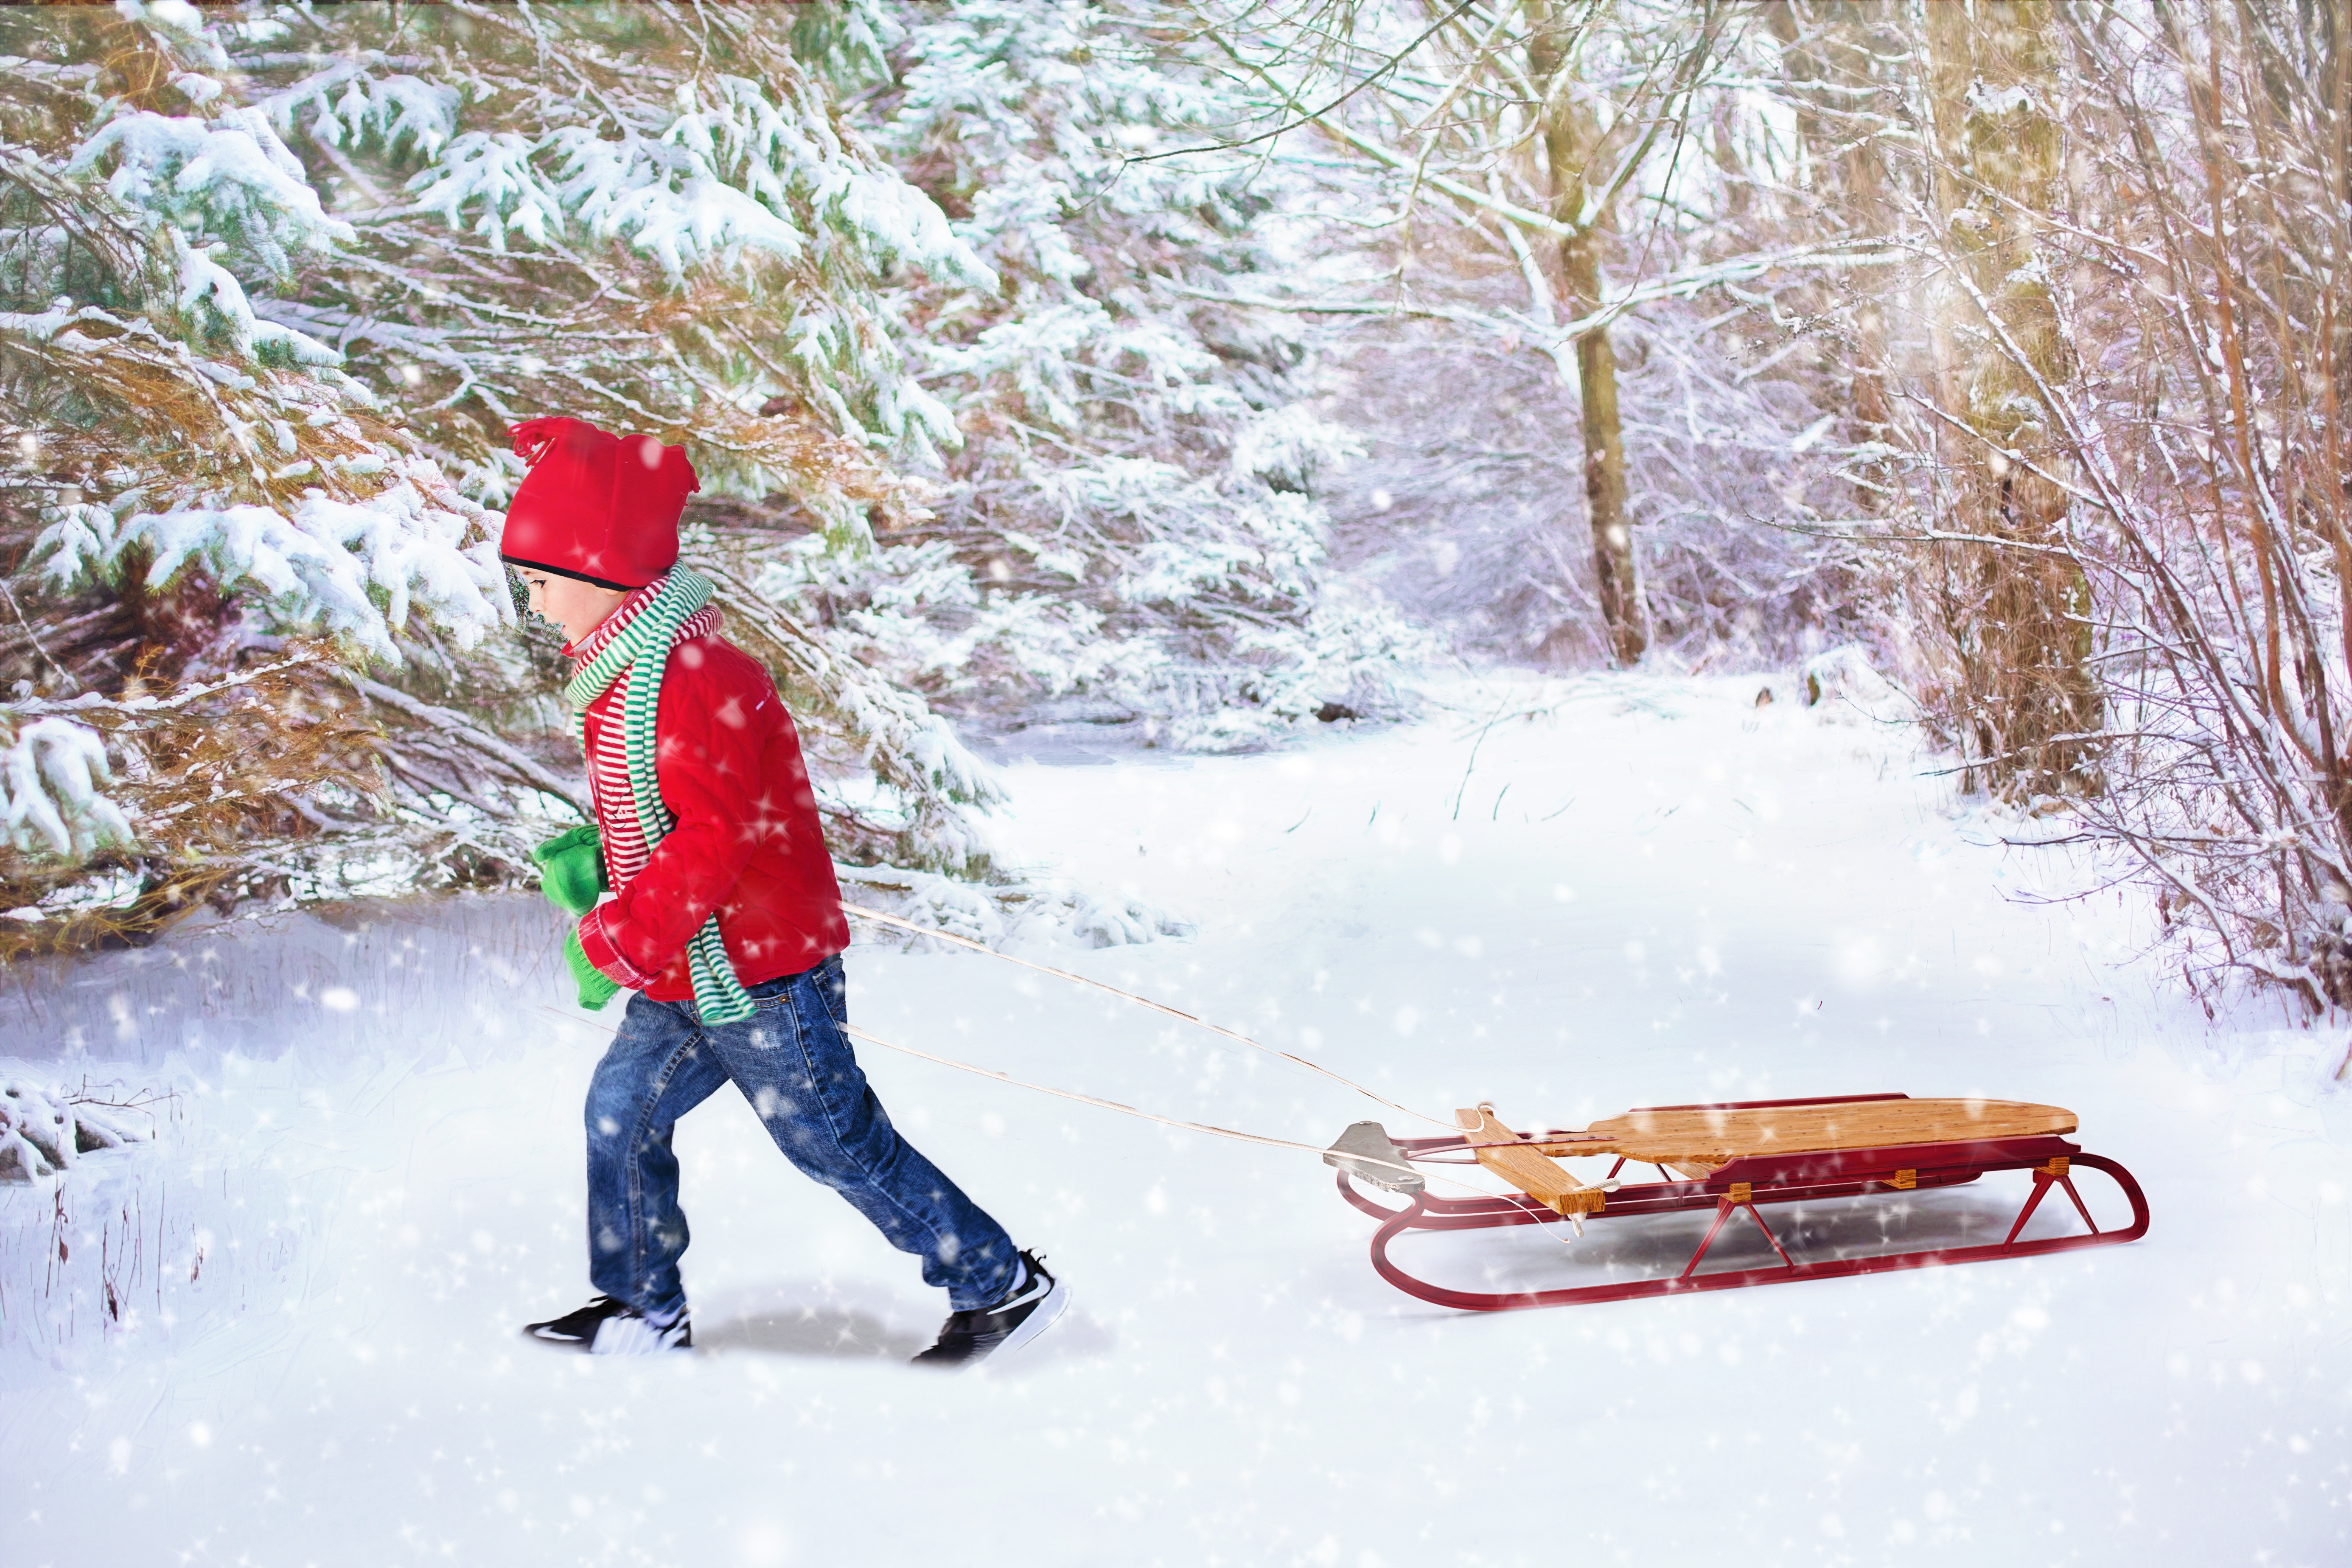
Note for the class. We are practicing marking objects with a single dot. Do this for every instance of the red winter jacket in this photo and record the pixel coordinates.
(746, 841)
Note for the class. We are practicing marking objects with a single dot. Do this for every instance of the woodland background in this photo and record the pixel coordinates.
(1192, 374)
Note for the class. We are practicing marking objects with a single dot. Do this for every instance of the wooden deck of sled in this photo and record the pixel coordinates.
(1696, 1140)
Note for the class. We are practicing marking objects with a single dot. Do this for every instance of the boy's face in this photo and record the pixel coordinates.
(578, 607)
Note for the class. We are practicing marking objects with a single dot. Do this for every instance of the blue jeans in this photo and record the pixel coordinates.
(794, 1064)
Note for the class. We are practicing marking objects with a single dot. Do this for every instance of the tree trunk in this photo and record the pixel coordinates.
(1616, 571)
(2019, 617)
(1570, 140)
(1830, 49)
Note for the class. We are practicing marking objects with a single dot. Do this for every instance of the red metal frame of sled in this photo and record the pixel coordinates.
(1771, 1179)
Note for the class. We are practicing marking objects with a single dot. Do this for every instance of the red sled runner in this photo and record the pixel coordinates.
(1734, 1159)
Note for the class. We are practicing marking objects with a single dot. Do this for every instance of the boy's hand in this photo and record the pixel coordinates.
(571, 869)
(595, 987)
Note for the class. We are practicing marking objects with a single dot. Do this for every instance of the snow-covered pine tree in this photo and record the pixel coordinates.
(652, 217)
(203, 519)
(430, 222)
(337, 252)
(1131, 531)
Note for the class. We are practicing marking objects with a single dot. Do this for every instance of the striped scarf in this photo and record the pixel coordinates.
(631, 650)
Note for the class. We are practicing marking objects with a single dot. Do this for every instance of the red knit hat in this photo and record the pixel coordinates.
(600, 508)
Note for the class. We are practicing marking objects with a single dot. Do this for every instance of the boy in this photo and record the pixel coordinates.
(724, 915)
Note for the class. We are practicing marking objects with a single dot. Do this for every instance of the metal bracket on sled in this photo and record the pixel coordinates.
(1367, 1152)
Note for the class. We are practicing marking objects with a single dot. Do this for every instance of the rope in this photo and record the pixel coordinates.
(1214, 1132)
(641, 647)
(908, 925)
(856, 1033)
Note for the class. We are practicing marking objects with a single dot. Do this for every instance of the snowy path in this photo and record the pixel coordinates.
(1651, 893)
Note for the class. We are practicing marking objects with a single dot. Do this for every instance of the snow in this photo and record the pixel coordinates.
(324, 565)
(231, 170)
(1570, 897)
(49, 774)
(721, 180)
(44, 1127)
(399, 108)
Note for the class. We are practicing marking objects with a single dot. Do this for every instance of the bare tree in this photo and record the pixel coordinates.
(1486, 152)
(1571, 136)
(2147, 248)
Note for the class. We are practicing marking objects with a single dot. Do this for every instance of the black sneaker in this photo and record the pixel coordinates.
(607, 1326)
(969, 1337)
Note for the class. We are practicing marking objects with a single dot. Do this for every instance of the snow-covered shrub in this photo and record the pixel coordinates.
(226, 176)
(162, 443)
(2198, 436)
(44, 1127)
(1843, 681)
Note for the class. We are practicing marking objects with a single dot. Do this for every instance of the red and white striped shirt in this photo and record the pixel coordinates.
(626, 849)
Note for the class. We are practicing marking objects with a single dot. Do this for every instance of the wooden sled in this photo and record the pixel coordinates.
(1731, 1158)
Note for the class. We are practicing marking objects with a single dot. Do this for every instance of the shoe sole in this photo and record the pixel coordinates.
(1048, 1312)
(621, 1337)
(639, 1339)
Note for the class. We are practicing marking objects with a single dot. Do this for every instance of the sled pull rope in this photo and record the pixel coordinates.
(907, 925)
(856, 1033)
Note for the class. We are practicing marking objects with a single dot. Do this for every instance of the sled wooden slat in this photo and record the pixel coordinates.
(1500, 1150)
(1712, 1135)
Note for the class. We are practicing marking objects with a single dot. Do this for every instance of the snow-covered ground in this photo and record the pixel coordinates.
(1569, 898)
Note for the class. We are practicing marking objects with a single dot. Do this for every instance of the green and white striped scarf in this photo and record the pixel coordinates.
(644, 642)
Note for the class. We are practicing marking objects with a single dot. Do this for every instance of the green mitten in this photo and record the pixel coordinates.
(595, 987)
(571, 869)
